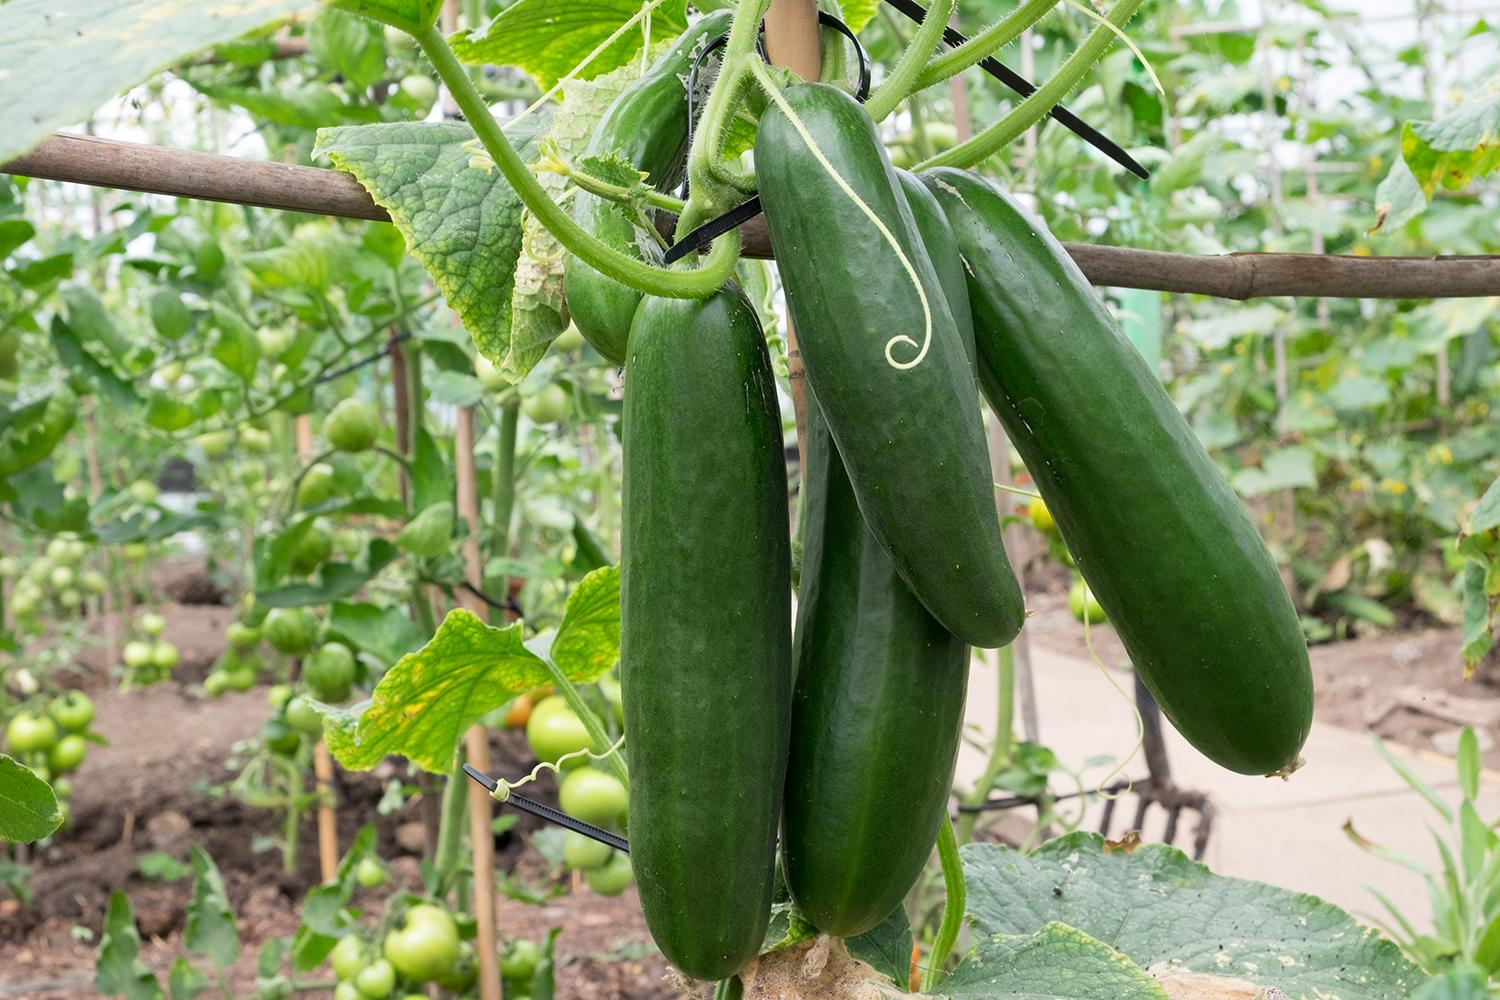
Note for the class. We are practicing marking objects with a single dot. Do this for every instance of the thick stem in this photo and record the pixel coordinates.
(954, 904)
(1035, 107)
(986, 43)
(451, 829)
(908, 69)
(695, 284)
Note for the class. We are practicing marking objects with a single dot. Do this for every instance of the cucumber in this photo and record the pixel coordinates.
(1163, 541)
(705, 655)
(876, 715)
(942, 247)
(647, 125)
(912, 438)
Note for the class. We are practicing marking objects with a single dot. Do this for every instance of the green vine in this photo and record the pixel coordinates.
(908, 69)
(986, 43)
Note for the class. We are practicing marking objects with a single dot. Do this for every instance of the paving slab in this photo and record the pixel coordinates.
(1285, 832)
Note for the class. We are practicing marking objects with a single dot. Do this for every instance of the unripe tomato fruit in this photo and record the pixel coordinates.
(330, 672)
(519, 961)
(612, 879)
(151, 624)
(144, 491)
(584, 853)
(255, 440)
(279, 695)
(353, 425)
(376, 980)
(213, 444)
(313, 550)
(61, 577)
(316, 486)
(164, 656)
(241, 678)
(136, 654)
(93, 581)
(420, 89)
(273, 341)
(280, 738)
(290, 630)
(1083, 605)
(489, 376)
(570, 340)
(67, 754)
(426, 947)
(346, 990)
(348, 957)
(548, 406)
(28, 732)
(553, 731)
(72, 711)
(241, 636)
(369, 872)
(594, 796)
(303, 717)
(216, 684)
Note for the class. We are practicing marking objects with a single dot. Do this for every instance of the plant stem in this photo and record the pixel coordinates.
(953, 906)
(699, 283)
(986, 43)
(1035, 107)
(503, 484)
(615, 192)
(599, 740)
(1002, 750)
(908, 69)
(451, 829)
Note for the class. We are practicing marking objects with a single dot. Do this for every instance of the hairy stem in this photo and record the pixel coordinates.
(953, 905)
(909, 68)
(1035, 107)
(986, 43)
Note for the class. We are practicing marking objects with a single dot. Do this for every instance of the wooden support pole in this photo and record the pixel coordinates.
(188, 174)
(476, 740)
(328, 827)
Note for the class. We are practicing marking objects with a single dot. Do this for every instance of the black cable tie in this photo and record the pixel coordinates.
(1026, 88)
(546, 812)
(509, 604)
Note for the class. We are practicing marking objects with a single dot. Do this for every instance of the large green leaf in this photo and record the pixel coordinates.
(64, 58)
(550, 38)
(28, 809)
(587, 643)
(1058, 962)
(1164, 911)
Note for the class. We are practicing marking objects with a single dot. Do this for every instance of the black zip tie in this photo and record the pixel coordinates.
(747, 210)
(1026, 88)
(546, 812)
(509, 604)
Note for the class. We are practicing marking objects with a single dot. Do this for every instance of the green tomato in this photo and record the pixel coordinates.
(316, 486)
(461, 977)
(9, 567)
(60, 550)
(369, 872)
(94, 581)
(553, 731)
(241, 636)
(548, 406)
(346, 990)
(348, 957)
(279, 737)
(398, 39)
(1083, 605)
(313, 550)
(171, 373)
(136, 654)
(519, 960)
(273, 341)
(426, 947)
(570, 340)
(614, 878)
(216, 684)
(376, 980)
(151, 624)
(164, 656)
(72, 711)
(135, 552)
(255, 440)
(290, 630)
(330, 672)
(303, 717)
(144, 491)
(62, 787)
(61, 577)
(420, 89)
(70, 598)
(594, 797)
(28, 732)
(279, 696)
(241, 678)
(67, 754)
(353, 425)
(584, 853)
(213, 444)
(489, 376)
(24, 602)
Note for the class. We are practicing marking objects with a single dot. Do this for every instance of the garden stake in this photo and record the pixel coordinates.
(545, 812)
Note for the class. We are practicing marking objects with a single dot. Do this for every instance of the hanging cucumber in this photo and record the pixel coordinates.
(705, 656)
(1161, 538)
(876, 715)
(647, 125)
(942, 247)
(886, 359)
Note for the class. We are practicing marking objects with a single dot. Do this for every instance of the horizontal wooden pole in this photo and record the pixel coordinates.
(184, 173)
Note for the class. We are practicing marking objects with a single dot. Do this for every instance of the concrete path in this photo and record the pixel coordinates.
(1288, 833)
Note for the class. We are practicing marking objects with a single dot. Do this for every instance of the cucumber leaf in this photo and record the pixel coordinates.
(1057, 962)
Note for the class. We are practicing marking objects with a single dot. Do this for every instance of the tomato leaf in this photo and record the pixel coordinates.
(119, 970)
(210, 929)
(64, 58)
(28, 809)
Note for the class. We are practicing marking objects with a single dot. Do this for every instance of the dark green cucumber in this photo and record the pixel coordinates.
(947, 262)
(705, 656)
(1161, 538)
(911, 437)
(876, 715)
(647, 125)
